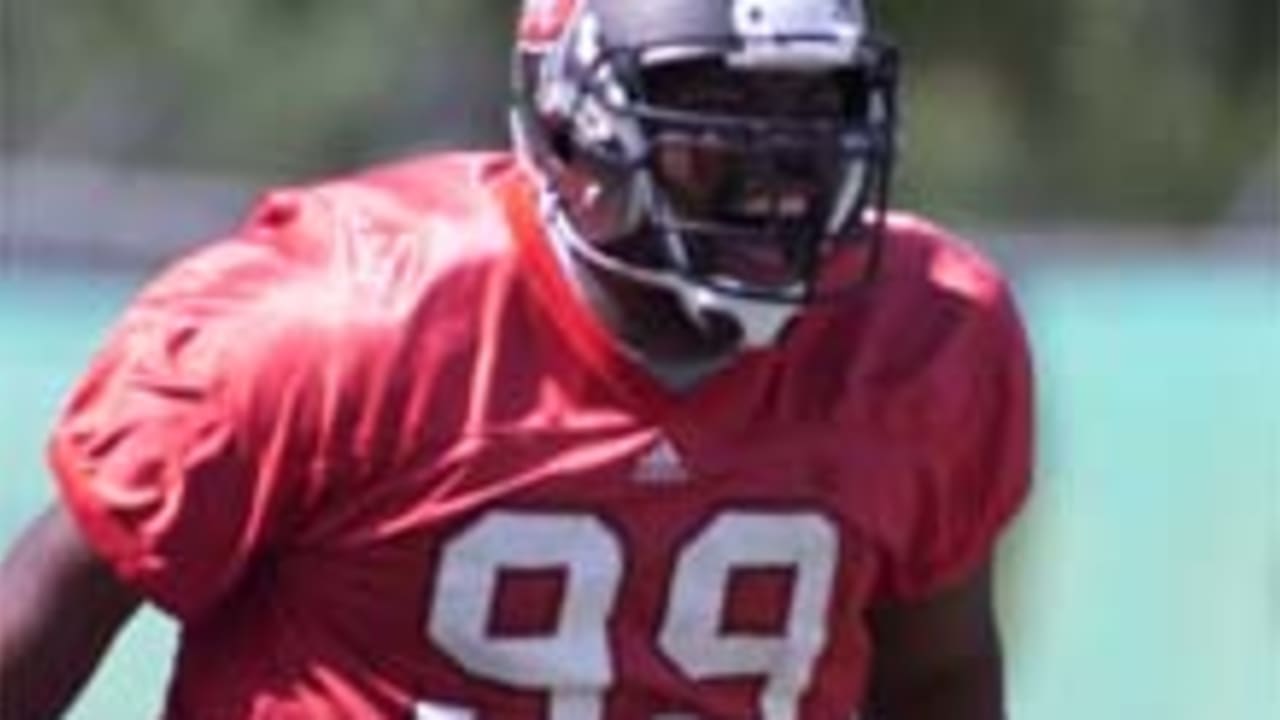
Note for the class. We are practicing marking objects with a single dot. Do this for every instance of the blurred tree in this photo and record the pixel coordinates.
(1065, 110)
(261, 86)
(1071, 110)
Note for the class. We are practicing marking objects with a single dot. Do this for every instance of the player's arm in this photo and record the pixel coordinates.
(939, 658)
(61, 608)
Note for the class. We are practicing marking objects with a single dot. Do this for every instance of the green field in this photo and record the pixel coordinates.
(1143, 583)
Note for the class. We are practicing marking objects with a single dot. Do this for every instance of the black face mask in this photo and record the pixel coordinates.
(753, 170)
(743, 182)
(748, 204)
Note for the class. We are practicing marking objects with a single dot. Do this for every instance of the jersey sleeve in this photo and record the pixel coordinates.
(981, 466)
(154, 455)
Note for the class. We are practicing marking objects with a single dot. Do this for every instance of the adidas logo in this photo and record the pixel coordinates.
(661, 466)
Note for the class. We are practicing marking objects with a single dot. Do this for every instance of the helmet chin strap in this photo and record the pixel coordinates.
(760, 322)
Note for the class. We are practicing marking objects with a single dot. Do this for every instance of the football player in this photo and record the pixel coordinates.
(661, 415)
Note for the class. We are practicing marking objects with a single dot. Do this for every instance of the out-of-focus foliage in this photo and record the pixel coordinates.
(1107, 110)
(275, 87)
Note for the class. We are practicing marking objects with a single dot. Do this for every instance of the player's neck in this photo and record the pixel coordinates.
(650, 327)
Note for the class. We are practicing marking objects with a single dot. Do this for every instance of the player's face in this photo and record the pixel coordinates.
(711, 179)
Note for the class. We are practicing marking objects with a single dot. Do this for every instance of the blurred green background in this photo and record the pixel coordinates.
(1120, 157)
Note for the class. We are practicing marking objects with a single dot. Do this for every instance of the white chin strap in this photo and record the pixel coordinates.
(760, 322)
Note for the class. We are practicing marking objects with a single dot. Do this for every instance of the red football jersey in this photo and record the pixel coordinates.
(380, 461)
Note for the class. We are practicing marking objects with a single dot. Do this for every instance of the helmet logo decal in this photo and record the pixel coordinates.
(770, 17)
(542, 22)
(796, 33)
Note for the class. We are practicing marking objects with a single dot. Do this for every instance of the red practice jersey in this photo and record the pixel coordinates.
(380, 461)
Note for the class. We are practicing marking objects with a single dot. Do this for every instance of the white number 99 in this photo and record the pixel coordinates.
(574, 663)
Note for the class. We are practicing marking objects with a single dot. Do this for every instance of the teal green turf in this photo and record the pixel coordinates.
(50, 324)
(1143, 582)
